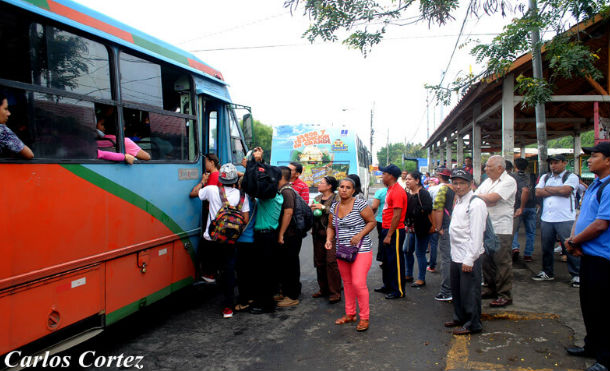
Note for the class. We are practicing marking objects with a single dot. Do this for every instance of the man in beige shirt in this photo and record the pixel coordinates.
(498, 191)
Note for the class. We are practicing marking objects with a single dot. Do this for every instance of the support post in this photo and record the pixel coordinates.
(460, 147)
(508, 118)
(476, 144)
(448, 149)
(577, 148)
(522, 148)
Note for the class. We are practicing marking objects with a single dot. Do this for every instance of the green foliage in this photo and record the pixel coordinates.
(365, 22)
(262, 138)
(397, 150)
(587, 139)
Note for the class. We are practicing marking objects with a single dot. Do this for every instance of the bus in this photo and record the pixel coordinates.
(86, 242)
(335, 151)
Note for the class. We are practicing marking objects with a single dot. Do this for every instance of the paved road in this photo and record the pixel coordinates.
(187, 332)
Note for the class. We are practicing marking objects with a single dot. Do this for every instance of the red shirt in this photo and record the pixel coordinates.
(301, 188)
(213, 179)
(396, 198)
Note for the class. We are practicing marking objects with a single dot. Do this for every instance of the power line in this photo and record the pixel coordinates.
(308, 45)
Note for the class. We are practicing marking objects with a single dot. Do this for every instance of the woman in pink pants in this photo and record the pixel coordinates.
(353, 220)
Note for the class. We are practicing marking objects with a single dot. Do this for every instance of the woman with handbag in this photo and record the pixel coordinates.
(419, 226)
(325, 261)
(351, 220)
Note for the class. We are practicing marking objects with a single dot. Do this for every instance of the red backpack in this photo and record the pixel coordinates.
(229, 221)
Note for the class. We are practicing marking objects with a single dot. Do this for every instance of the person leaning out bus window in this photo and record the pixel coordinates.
(9, 142)
(107, 124)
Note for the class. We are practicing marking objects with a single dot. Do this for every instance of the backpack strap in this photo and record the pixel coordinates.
(223, 195)
(601, 189)
(242, 197)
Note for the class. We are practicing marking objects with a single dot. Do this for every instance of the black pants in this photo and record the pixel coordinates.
(466, 293)
(394, 262)
(379, 256)
(263, 268)
(594, 289)
(246, 271)
(210, 257)
(289, 266)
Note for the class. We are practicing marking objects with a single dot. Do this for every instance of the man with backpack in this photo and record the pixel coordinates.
(296, 169)
(590, 239)
(558, 191)
(525, 210)
(289, 242)
(441, 216)
(228, 215)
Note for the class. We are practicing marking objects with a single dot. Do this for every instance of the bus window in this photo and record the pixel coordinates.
(237, 146)
(140, 80)
(213, 132)
(14, 38)
(65, 61)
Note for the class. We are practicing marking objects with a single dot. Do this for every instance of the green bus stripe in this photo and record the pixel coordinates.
(133, 198)
(40, 3)
(160, 49)
(145, 301)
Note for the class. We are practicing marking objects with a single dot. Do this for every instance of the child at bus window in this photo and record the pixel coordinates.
(107, 124)
(9, 142)
(113, 156)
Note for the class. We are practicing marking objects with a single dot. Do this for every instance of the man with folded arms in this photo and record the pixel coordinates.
(591, 241)
(466, 236)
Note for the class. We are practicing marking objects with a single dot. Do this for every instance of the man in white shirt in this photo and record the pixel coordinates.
(558, 192)
(498, 191)
(403, 179)
(225, 253)
(466, 234)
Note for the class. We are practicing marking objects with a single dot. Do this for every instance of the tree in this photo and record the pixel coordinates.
(262, 138)
(365, 23)
(397, 150)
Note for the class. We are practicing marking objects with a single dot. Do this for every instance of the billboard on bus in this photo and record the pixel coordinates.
(321, 151)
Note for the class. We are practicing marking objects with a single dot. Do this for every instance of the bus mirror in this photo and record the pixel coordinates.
(248, 129)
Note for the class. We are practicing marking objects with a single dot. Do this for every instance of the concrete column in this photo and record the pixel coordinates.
(508, 118)
(522, 148)
(577, 148)
(476, 144)
(448, 149)
(460, 146)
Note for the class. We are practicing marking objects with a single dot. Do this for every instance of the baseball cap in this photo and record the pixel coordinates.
(392, 170)
(443, 171)
(556, 158)
(601, 147)
(462, 174)
(228, 174)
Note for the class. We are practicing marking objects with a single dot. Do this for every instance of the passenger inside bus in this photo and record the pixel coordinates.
(9, 142)
(106, 125)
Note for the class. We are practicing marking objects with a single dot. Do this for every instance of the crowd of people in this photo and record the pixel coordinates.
(469, 229)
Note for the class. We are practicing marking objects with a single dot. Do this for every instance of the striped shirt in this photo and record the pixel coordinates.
(351, 224)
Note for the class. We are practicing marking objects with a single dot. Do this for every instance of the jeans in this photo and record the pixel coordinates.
(529, 220)
(416, 244)
(549, 232)
(433, 250)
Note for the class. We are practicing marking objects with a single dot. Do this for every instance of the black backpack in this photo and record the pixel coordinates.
(302, 214)
(261, 180)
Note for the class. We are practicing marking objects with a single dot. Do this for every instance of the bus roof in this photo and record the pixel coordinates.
(83, 18)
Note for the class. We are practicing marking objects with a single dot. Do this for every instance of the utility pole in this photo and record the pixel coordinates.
(387, 158)
(428, 130)
(372, 132)
(540, 112)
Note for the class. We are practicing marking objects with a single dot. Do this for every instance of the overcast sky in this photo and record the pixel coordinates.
(257, 45)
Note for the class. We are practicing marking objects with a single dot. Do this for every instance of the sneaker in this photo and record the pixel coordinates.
(557, 249)
(287, 302)
(442, 297)
(278, 297)
(431, 270)
(542, 276)
(209, 278)
(227, 313)
(575, 282)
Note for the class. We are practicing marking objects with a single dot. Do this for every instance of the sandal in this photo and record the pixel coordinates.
(241, 307)
(318, 294)
(363, 325)
(345, 319)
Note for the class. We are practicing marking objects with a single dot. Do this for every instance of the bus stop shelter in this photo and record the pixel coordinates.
(490, 118)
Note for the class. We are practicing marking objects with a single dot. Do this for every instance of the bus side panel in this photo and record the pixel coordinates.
(183, 268)
(137, 280)
(43, 307)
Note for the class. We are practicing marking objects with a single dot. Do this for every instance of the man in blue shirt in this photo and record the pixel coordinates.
(591, 240)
